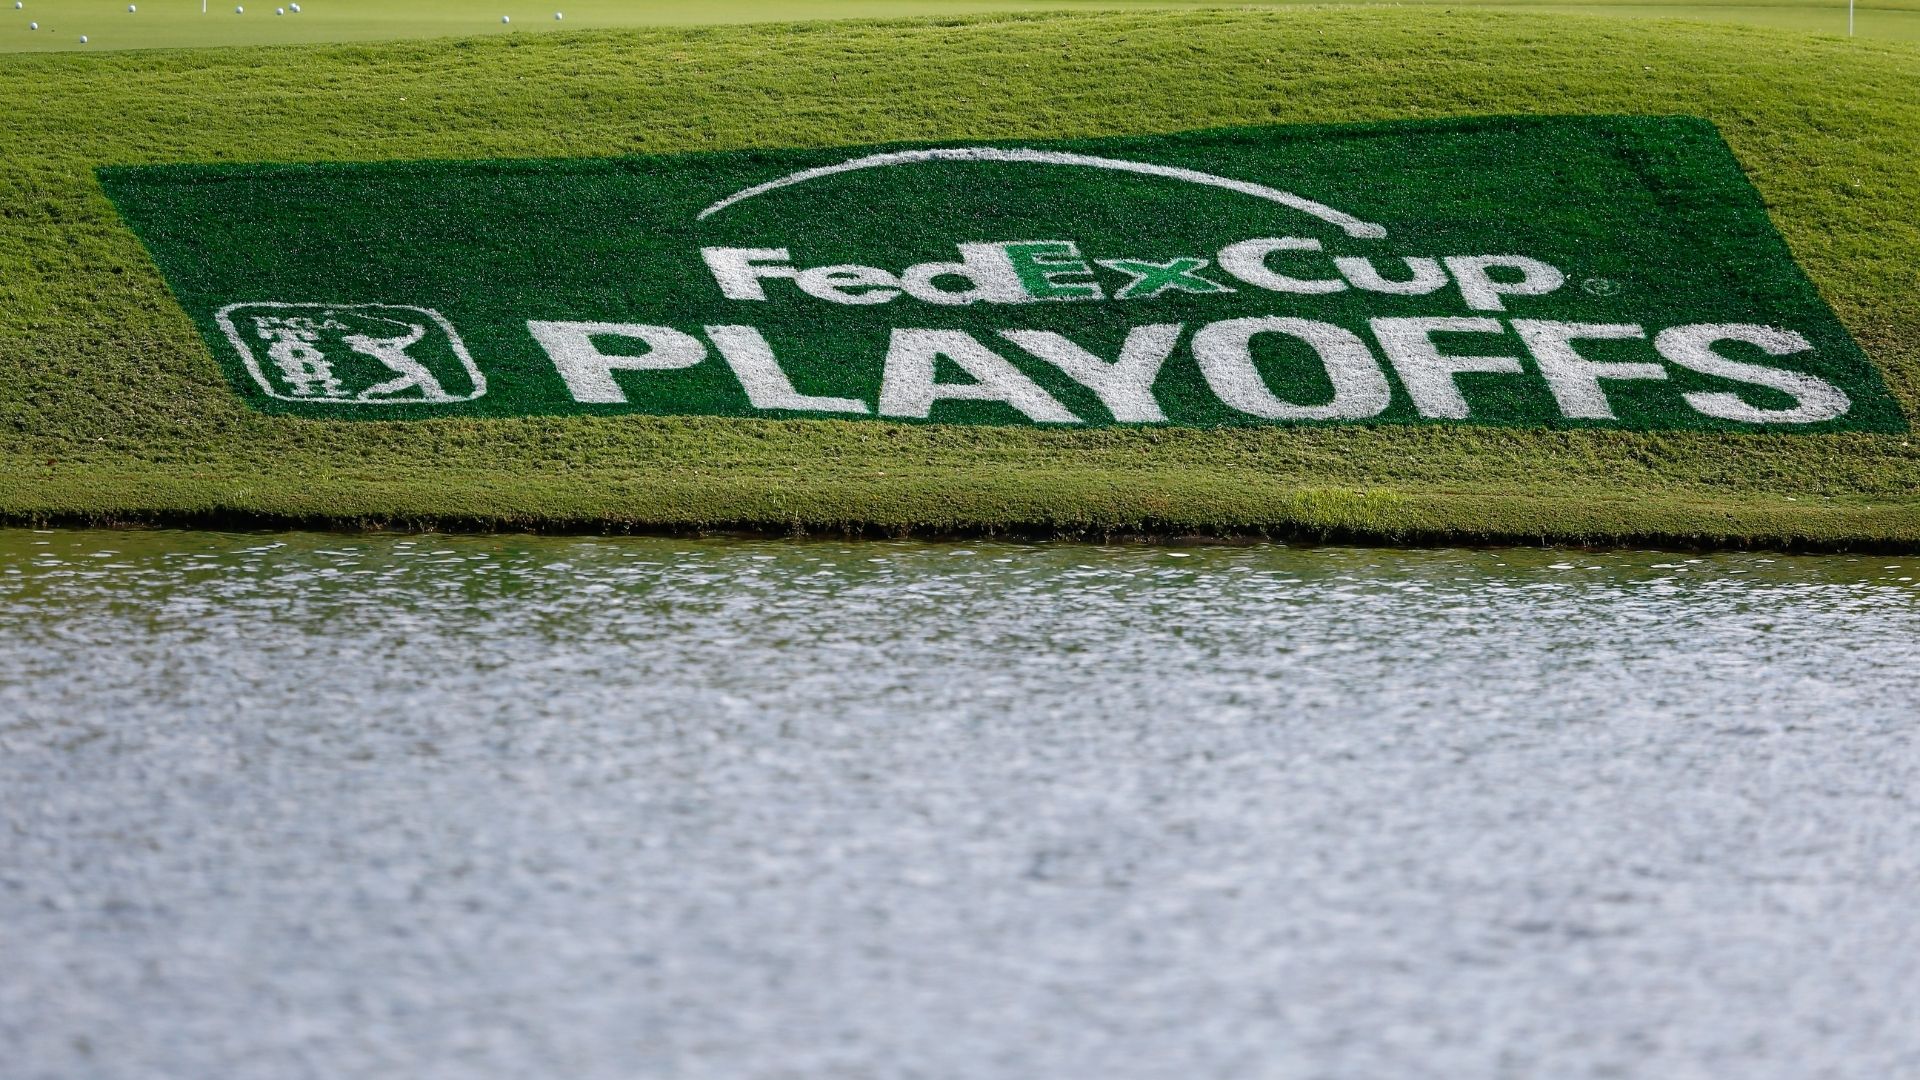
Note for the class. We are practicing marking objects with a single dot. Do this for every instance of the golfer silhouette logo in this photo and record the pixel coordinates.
(409, 373)
(352, 354)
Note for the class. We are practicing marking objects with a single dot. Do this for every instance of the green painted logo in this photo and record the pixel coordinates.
(1535, 272)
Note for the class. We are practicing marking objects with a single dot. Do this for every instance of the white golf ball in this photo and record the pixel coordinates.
(557, 16)
(130, 9)
(239, 11)
(279, 11)
(295, 8)
(17, 5)
(33, 26)
(83, 39)
(505, 19)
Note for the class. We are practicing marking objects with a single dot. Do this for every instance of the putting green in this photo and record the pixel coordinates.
(108, 24)
(113, 405)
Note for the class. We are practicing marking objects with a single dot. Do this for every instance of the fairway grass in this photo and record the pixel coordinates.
(108, 24)
(112, 408)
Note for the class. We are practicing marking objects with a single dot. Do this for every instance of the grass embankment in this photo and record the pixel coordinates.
(181, 24)
(111, 407)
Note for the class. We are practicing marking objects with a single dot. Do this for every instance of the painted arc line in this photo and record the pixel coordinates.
(1353, 226)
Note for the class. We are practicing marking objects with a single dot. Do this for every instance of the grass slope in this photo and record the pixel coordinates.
(112, 409)
(180, 24)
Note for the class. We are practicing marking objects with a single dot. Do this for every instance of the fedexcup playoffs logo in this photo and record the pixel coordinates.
(352, 354)
(1059, 271)
(1572, 271)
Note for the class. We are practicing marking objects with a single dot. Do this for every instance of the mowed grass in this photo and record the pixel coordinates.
(111, 408)
(108, 24)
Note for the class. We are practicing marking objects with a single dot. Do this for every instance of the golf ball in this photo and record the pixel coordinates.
(239, 11)
(295, 8)
(505, 18)
(557, 16)
(33, 26)
(130, 9)
(279, 11)
(83, 39)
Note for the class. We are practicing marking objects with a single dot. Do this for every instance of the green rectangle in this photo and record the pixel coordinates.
(1546, 272)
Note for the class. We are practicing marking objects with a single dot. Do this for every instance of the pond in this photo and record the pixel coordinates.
(292, 804)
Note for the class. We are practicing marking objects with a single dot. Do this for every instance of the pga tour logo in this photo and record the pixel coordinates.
(352, 354)
(375, 354)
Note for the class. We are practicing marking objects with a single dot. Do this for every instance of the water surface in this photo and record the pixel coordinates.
(305, 805)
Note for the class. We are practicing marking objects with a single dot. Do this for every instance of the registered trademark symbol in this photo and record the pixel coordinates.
(1599, 286)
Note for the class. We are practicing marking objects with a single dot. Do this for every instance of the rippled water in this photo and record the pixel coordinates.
(297, 805)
